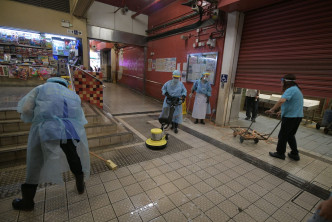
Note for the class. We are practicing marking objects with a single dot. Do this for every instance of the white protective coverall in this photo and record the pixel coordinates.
(56, 115)
(201, 107)
(174, 89)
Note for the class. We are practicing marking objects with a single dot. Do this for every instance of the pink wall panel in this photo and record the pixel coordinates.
(133, 67)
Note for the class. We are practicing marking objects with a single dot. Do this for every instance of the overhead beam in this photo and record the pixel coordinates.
(80, 7)
(145, 8)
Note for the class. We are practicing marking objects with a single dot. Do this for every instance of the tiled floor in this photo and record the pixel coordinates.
(203, 183)
(310, 139)
(121, 100)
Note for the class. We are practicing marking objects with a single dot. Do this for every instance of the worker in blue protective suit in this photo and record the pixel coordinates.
(175, 89)
(202, 99)
(57, 133)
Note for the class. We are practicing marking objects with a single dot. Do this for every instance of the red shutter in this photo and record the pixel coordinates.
(292, 37)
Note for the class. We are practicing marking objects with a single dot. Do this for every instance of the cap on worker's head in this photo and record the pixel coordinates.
(58, 80)
(289, 77)
(176, 73)
(205, 74)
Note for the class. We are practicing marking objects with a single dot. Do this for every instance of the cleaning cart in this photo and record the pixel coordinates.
(247, 133)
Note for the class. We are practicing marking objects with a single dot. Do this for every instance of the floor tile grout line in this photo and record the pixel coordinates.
(276, 171)
(136, 113)
(67, 204)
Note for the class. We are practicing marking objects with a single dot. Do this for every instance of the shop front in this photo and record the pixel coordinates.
(30, 56)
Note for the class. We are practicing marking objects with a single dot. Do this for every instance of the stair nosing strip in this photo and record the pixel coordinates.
(16, 133)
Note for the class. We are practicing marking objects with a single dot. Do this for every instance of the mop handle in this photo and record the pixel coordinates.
(274, 129)
(97, 156)
(188, 106)
(250, 125)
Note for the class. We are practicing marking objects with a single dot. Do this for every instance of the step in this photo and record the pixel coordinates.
(94, 118)
(87, 109)
(9, 114)
(13, 138)
(14, 152)
(101, 131)
(21, 137)
(13, 125)
(14, 115)
(92, 129)
(103, 139)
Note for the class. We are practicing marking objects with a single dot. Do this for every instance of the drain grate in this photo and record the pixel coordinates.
(137, 154)
(141, 124)
(282, 174)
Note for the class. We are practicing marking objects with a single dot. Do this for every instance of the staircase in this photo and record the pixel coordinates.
(101, 132)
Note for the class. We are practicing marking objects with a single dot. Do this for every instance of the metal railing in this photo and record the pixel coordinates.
(154, 82)
(86, 73)
(71, 77)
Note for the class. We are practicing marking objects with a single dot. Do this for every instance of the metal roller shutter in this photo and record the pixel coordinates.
(292, 37)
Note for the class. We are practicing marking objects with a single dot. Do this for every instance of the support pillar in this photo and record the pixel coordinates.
(229, 64)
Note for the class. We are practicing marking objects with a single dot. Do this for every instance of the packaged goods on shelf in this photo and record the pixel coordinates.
(25, 55)
(4, 71)
(23, 72)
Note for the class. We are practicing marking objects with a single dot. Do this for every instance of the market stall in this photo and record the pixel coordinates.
(309, 106)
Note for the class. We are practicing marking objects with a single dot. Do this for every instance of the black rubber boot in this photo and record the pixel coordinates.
(80, 183)
(28, 194)
(176, 128)
(172, 127)
(196, 121)
(202, 121)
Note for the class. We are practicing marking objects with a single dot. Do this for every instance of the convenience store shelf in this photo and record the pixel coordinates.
(9, 64)
(28, 46)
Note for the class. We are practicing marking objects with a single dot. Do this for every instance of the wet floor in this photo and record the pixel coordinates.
(204, 174)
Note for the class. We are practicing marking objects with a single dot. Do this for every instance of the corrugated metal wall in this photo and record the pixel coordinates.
(291, 37)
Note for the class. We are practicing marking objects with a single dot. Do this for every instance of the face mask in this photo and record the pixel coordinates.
(175, 81)
(205, 79)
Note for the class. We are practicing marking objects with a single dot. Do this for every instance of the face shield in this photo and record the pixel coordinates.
(283, 80)
(205, 77)
(176, 80)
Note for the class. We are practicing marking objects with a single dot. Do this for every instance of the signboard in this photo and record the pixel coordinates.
(199, 63)
(224, 78)
(165, 64)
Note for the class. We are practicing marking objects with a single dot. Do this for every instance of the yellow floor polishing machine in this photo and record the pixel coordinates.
(159, 138)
